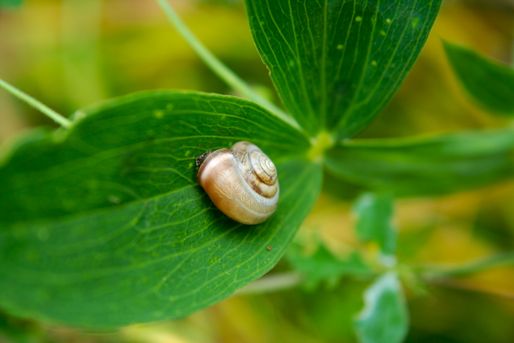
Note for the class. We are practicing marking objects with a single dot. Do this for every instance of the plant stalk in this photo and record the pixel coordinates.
(58, 118)
(469, 268)
(442, 276)
(219, 68)
(272, 283)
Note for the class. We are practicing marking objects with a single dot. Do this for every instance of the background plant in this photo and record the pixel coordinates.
(453, 163)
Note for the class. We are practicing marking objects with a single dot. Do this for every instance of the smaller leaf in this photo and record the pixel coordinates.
(489, 83)
(425, 165)
(324, 266)
(384, 318)
(374, 224)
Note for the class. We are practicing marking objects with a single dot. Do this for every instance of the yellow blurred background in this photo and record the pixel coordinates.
(72, 53)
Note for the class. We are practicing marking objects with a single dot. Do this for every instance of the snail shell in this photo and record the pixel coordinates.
(241, 182)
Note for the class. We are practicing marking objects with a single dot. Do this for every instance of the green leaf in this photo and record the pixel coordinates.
(10, 3)
(489, 83)
(104, 224)
(323, 265)
(384, 318)
(375, 215)
(335, 64)
(428, 165)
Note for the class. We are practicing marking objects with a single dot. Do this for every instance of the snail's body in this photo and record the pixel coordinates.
(241, 182)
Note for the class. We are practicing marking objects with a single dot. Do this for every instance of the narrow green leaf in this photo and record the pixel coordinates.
(424, 166)
(489, 83)
(36, 104)
(384, 318)
(104, 225)
(336, 63)
(375, 215)
(324, 266)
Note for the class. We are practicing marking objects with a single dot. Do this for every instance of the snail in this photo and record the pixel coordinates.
(241, 181)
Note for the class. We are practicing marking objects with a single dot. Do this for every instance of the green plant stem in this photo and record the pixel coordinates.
(59, 119)
(219, 68)
(281, 281)
(469, 268)
(272, 283)
(512, 55)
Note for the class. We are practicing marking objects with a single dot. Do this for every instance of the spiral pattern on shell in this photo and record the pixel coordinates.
(241, 181)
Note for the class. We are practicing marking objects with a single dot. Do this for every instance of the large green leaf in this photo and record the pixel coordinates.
(491, 84)
(375, 215)
(104, 224)
(336, 63)
(384, 318)
(421, 166)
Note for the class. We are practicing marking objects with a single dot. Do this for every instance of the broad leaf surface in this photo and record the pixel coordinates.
(384, 318)
(105, 225)
(324, 266)
(424, 166)
(375, 214)
(491, 84)
(336, 63)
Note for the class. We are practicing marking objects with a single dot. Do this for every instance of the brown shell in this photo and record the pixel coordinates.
(241, 181)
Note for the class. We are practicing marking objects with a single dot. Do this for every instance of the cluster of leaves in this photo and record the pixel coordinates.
(385, 316)
(103, 223)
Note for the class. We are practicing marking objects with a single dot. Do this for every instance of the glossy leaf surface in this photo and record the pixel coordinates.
(104, 225)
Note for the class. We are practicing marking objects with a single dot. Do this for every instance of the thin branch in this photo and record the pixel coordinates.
(219, 68)
(454, 284)
(435, 275)
(469, 268)
(272, 283)
(59, 119)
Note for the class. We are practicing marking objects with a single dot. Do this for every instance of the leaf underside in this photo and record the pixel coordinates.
(336, 63)
(489, 83)
(105, 225)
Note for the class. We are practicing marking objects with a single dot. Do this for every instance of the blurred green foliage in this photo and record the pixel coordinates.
(488, 82)
(73, 53)
(10, 3)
